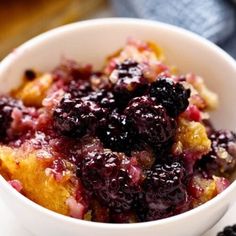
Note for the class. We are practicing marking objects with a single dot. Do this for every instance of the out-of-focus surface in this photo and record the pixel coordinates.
(212, 19)
(24, 19)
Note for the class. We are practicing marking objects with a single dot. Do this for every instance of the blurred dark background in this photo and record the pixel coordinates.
(212, 19)
(23, 19)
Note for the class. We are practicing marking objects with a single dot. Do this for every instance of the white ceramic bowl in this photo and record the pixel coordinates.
(91, 41)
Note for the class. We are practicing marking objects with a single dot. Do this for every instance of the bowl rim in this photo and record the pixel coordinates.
(115, 21)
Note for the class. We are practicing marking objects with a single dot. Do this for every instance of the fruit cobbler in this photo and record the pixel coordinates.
(132, 142)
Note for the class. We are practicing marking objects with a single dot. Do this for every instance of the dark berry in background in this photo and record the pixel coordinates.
(222, 157)
(73, 78)
(6, 107)
(70, 70)
(228, 231)
(30, 75)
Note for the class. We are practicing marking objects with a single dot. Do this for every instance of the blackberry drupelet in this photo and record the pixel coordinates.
(150, 121)
(96, 166)
(6, 107)
(78, 88)
(128, 81)
(164, 191)
(228, 231)
(103, 97)
(74, 117)
(222, 157)
(116, 133)
(173, 96)
(103, 175)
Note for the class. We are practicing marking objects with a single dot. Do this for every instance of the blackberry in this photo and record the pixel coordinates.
(103, 175)
(228, 231)
(6, 106)
(30, 75)
(129, 81)
(70, 70)
(150, 121)
(73, 78)
(209, 126)
(78, 88)
(96, 166)
(103, 97)
(222, 157)
(74, 117)
(164, 191)
(116, 133)
(173, 96)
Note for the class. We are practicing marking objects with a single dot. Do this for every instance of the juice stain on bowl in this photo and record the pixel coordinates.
(132, 142)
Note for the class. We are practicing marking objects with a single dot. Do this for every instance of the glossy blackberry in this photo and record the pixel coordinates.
(103, 97)
(75, 117)
(228, 231)
(164, 191)
(173, 96)
(116, 133)
(128, 81)
(150, 121)
(78, 88)
(222, 157)
(102, 175)
(6, 106)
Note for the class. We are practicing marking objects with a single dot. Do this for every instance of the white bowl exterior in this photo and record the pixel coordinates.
(92, 41)
(41, 221)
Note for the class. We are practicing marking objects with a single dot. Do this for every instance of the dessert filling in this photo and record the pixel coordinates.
(132, 142)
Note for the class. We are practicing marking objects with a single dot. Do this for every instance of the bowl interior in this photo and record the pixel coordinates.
(92, 42)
